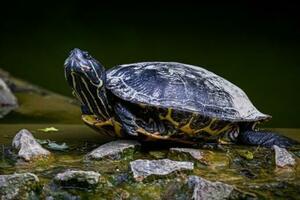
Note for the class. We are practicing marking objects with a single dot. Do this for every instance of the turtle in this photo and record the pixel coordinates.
(165, 101)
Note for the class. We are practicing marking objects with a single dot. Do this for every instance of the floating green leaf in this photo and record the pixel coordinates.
(48, 129)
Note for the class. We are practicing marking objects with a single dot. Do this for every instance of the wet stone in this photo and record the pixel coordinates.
(194, 153)
(8, 101)
(18, 186)
(204, 189)
(113, 150)
(77, 178)
(283, 158)
(144, 168)
(27, 146)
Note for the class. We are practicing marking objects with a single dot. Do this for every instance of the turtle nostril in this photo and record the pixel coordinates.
(85, 67)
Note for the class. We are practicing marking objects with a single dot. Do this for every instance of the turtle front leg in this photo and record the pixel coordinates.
(151, 130)
(265, 138)
(127, 119)
(133, 125)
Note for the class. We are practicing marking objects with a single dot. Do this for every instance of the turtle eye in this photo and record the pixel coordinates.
(87, 55)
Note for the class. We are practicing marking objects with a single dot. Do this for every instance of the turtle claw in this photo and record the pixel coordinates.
(158, 136)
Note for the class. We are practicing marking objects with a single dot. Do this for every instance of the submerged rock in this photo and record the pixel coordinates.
(8, 101)
(18, 186)
(77, 178)
(112, 150)
(204, 189)
(283, 157)
(28, 147)
(143, 168)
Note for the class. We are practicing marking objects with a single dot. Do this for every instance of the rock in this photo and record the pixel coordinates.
(143, 168)
(28, 147)
(283, 157)
(8, 101)
(77, 178)
(113, 150)
(204, 189)
(198, 188)
(18, 186)
(195, 153)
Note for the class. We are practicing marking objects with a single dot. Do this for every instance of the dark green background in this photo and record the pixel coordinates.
(253, 45)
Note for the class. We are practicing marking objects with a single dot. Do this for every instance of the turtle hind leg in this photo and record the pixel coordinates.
(265, 138)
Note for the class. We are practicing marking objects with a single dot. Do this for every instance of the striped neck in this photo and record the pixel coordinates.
(92, 96)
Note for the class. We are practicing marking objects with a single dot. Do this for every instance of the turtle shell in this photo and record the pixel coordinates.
(181, 87)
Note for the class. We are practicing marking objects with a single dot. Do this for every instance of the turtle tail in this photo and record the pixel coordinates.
(265, 138)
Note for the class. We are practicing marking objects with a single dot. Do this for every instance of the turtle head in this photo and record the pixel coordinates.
(86, 76)
(82, 64)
